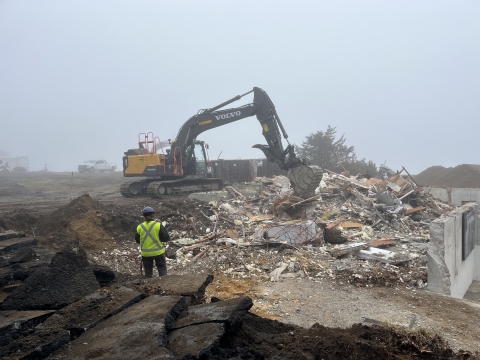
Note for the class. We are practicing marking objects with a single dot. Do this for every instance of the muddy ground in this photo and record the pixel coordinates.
(104, 223)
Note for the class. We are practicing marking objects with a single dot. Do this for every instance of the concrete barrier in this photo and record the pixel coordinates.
(454, 251)
(456, 196)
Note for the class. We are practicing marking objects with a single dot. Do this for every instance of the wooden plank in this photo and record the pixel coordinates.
(414, 210)
(380, 243)
(351, 224)
(335, 222)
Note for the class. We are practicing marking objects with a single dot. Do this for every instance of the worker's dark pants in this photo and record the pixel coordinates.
(160, 262)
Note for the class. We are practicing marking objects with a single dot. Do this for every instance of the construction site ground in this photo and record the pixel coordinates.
(31, 201)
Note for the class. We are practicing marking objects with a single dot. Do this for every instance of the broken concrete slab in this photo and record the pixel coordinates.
(191, 286)
(15, 243)
(347, 249)
(249, 190)
(450, 272)
(23, 255)
(210, 196)
(39, 345)
(93, 309)
(11, 235)
(387, 257)
(282, 182)
(193, 342)
(403, 319)
(138, 332)
(68, 278)
(13, 323)
(220, 311)
(473, 292)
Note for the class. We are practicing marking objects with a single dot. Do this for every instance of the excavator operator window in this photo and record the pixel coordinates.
(201, 164)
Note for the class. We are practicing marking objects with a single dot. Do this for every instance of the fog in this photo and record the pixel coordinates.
(81, 79)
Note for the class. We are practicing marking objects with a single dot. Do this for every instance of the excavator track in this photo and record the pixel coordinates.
(134, 188)
(161, 189)
(305, 180)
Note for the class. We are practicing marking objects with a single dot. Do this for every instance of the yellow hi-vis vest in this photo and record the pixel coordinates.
(149, 238)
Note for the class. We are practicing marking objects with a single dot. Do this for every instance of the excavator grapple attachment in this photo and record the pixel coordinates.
(305, 179)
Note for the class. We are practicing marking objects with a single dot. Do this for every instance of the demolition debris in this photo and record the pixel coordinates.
(367, 232)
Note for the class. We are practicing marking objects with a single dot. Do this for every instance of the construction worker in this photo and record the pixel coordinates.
(151, 235)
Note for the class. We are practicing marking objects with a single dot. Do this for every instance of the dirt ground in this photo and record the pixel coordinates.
(104, 222)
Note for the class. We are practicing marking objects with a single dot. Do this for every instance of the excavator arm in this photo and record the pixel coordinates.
(303, 177)
(266, 114)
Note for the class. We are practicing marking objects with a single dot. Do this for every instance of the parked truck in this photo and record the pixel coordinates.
(96, 165)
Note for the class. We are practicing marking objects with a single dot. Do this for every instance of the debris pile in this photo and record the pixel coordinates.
(367, 232)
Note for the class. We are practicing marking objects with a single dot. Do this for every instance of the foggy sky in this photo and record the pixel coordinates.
(81, 79)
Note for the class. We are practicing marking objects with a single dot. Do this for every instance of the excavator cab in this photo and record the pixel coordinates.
(196, 159)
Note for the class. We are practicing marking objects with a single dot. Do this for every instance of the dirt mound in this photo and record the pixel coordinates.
(461, 176)
(261, 338)
(9, 187)
(68, 278)
(83, 219)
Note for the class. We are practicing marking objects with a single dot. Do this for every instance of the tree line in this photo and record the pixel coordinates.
(330, 152)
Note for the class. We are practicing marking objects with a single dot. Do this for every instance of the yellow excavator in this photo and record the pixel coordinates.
(181, 166)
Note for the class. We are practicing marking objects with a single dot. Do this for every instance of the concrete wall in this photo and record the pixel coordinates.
(447, 272)
(456, 196)
(476, 275)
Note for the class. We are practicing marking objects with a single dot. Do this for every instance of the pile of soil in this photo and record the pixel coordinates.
(183, 216)
(85, 220)
(9, 187)
(461, 176)
(97, 226)
(260, 338)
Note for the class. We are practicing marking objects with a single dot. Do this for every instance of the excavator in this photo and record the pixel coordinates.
(183, 168)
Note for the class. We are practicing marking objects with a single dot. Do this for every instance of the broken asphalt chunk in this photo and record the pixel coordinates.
(220, 311)
(139, 332)
(67, 279)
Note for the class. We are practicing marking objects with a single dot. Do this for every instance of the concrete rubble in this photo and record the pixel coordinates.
(250, 228)
(361, 231)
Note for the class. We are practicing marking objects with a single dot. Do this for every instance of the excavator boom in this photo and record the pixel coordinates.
(304, 178)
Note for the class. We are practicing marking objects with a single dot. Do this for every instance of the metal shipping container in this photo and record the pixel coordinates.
(237, 171)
